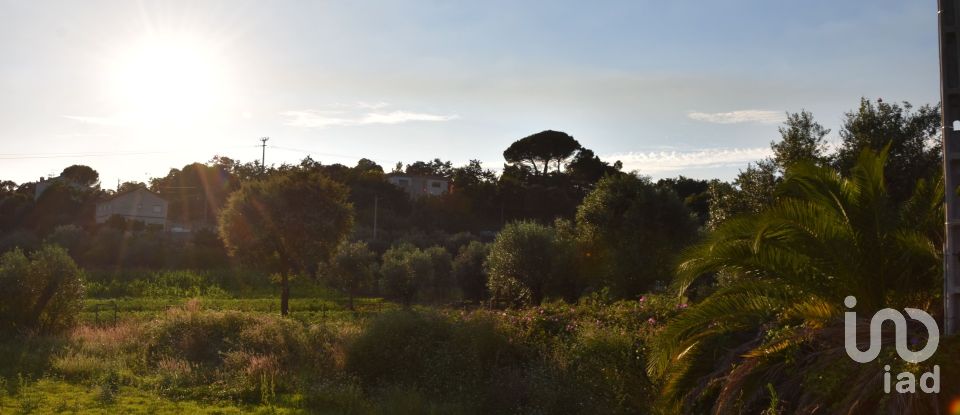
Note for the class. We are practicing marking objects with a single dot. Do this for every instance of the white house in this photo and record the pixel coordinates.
(135, 205)
(417, 186)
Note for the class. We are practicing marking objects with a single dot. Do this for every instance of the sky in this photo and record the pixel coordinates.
(698, 88)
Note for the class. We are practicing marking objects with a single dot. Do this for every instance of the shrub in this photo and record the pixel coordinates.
(455, 360)
(233, 354)
(42, 292)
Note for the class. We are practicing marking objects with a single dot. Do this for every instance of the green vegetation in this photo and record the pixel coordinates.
(778, 310)
(202, 354)
(562, 285)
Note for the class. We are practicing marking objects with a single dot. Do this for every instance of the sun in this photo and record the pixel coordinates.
(168, 80)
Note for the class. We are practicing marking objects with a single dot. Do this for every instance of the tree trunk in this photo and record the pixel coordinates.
(350, 297)
(284, 294)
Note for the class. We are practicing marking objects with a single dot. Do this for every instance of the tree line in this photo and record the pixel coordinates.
(557, 222)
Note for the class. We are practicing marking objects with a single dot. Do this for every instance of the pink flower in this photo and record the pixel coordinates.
(643, 298)
(651, 320)
(682, 306)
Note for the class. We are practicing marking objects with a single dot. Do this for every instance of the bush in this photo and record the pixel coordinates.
(233, 354)
(396, 348)
(41, 293)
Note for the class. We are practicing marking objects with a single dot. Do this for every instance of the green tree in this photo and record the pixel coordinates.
(779, 316)
(633, 228)
(130, 186)
(586, 168)
(913, 137)
(82, 175)
(287, 224)
(541, 150)
(435, 167)
(801, 139)
(522, 262)
(351, 268)
(468, 270)
(42, 292)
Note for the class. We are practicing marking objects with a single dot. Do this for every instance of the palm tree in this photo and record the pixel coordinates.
(776, 320)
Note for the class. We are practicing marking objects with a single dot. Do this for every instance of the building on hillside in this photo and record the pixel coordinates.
(417, 186)
(135, 205)
(44, 183)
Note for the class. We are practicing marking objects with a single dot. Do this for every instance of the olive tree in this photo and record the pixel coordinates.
(521, 263)
(351, 268)
(286, 224)
(406, 270)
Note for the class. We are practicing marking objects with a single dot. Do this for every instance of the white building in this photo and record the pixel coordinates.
(135, 205)
(417, 186)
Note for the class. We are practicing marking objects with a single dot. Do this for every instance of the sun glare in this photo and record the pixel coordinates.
(168, 80)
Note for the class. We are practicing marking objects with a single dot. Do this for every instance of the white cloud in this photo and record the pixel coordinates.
(677, 161)
(736, 117)
(360, 113)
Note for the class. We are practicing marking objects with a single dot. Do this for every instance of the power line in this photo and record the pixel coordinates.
(28, 156)
(311, 152)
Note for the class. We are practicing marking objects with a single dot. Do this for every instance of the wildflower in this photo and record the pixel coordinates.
(651, 320)
(682, 306)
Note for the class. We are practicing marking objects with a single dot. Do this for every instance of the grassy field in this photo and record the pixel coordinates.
(233, 353)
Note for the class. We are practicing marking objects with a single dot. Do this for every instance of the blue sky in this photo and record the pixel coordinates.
(681, 87)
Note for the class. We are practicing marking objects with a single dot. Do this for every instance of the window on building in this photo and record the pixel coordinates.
(157, 209)
(139, 206)
(435, 184)
(404, 182)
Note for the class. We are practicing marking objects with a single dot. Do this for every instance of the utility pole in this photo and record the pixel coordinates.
(947, 22)
(263, 156)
